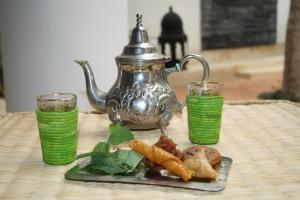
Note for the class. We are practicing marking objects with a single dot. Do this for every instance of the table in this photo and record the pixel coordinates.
(262, 138)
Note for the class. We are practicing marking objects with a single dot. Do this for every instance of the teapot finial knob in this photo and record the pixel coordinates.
(139, 19)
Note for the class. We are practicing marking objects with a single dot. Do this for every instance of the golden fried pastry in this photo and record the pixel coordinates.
(161, 157)
(168, 145)
(212, 155)
(200, 166)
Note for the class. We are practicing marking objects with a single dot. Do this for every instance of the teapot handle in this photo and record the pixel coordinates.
(178, 67)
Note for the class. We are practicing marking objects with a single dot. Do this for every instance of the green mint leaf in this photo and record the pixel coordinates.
(105, 162)
(120, 154)
(93, 171)
(101, 147)
(127, 158)
(83, 155)
(121, 162)
(111, 170)
(133, 159)
(119, 134)
(140, 171)
(97, 158)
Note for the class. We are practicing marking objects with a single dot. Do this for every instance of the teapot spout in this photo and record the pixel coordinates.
(96, 97)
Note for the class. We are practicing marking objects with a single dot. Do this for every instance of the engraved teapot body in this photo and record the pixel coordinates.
(141, 97)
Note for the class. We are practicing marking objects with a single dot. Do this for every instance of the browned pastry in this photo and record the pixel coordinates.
(212, 155)
(153, 168)
(200, 166)
(163, 158)
(168, 145)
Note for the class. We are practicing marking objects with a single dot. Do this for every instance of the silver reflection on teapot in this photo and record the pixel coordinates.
(141, 97)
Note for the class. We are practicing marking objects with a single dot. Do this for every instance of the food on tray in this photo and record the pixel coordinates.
(161, 157)
(118, 162)
(167, 144)
(200, 166)
(195, 162)
(212, 155)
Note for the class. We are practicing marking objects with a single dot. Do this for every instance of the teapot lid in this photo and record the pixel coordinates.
(139, 50)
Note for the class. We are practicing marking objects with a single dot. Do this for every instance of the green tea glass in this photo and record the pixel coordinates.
(57, 117)
(204, 105)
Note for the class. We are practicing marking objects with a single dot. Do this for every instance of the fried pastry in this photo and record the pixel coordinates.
(200, 166)
(161, 157)
(212, 155)
(168, 145)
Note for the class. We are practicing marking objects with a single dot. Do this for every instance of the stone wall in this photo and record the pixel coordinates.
(236, 23)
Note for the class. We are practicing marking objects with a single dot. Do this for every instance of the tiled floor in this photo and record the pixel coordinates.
(245, 89)
(245, 72)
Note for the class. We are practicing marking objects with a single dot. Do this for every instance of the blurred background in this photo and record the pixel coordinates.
(243, 41)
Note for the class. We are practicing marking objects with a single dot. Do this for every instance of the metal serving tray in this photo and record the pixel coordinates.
(77, 173)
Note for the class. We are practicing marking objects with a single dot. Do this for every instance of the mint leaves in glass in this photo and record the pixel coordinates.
(204, 105)
(57, 117)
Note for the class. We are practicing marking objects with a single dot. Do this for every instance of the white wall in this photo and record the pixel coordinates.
(154, 10)
(283, 8)
(189, 11)
(40, 40)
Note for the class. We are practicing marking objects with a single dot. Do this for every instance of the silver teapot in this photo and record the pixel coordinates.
(141, 97)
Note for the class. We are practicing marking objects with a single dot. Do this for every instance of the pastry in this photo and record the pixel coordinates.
(213, 156)
(200, 166)
(161, 157)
